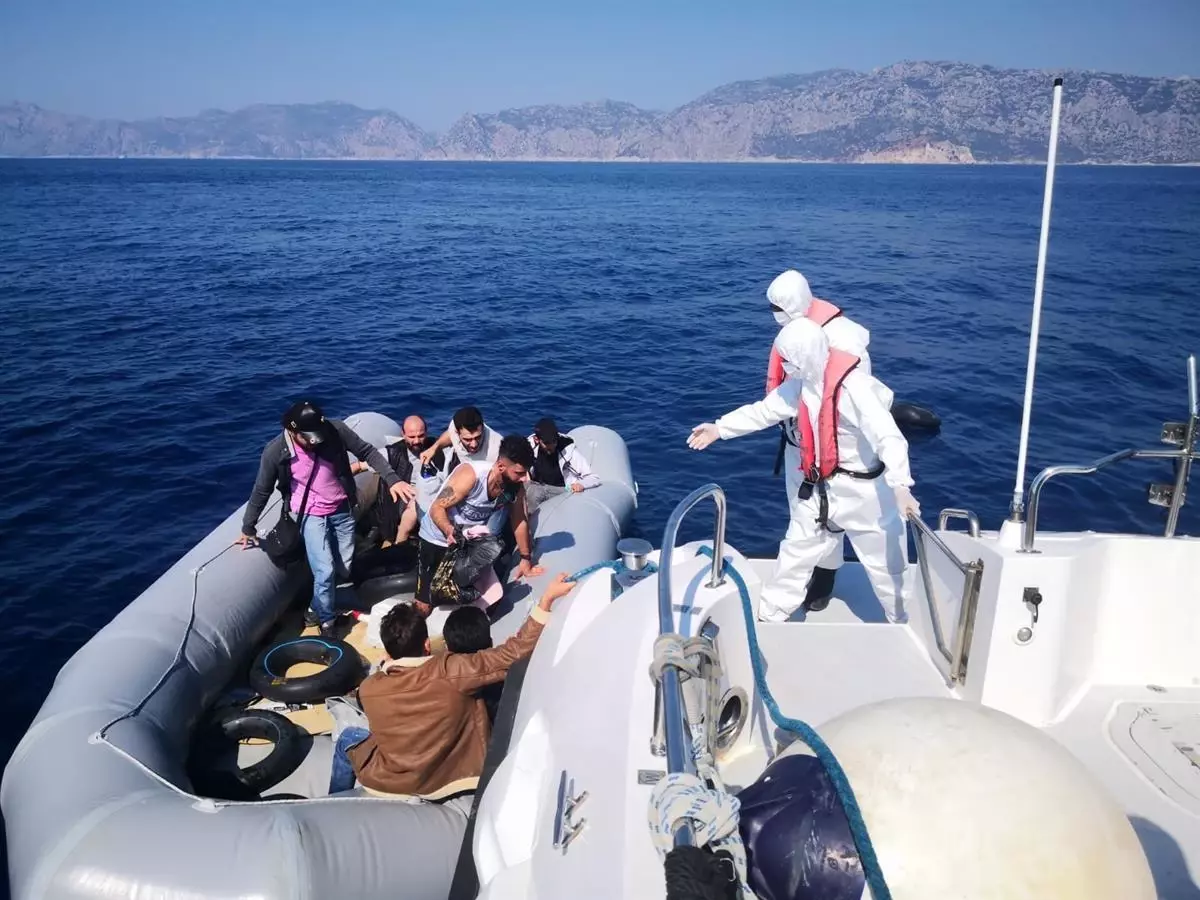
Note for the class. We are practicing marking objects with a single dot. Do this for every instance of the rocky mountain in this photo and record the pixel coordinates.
(908, 112)
(587, 131)
(937, 112)
(298, 131)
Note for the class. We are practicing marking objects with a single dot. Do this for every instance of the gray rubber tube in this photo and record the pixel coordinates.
(90, 816)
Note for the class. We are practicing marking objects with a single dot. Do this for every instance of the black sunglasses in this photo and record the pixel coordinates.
(775, 308)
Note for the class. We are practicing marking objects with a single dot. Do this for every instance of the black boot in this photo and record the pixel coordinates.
(820, 589)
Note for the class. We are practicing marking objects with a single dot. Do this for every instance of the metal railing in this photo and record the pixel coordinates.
(1182, 435)
(972, 572)
(1043, 477)
(669, 706)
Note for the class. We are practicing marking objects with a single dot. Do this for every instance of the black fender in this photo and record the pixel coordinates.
(227, 728)
(344, 670)
(911, 417)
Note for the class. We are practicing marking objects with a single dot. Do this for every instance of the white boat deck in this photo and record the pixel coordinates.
(1141, 741)
(1137, 741)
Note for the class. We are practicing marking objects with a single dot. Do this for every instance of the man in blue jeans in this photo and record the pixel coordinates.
(309, 464)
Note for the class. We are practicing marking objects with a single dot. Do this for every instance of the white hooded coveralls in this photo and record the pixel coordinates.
(791, 293)
(865, 509)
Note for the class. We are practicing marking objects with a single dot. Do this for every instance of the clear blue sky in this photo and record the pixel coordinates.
(432, 60)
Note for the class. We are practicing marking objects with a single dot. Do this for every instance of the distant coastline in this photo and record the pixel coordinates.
(912, 113)
(355, 160)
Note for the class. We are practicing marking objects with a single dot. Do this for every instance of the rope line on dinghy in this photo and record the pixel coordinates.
(837, 775)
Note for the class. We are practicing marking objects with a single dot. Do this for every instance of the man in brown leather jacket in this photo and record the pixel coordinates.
(429, 728)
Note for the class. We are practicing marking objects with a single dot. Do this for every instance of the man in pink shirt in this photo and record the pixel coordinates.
(309, 464)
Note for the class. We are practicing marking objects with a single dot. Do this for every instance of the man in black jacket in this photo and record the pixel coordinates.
(308, 462)
(397, 521)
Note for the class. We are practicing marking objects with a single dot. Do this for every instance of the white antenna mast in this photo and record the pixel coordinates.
(1017, 508)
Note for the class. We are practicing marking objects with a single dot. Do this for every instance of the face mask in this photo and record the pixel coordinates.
(781, 318)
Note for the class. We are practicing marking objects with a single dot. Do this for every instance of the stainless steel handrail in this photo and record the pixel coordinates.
(674, 716)
(1044, 476)
(972, 573)
(1183, 468)
(929, 533)
(972, 520)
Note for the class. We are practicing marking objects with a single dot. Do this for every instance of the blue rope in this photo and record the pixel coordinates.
(618, 566)
(858, 826)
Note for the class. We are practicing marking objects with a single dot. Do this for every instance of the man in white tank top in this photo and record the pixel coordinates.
(469, 437)
(471, 496)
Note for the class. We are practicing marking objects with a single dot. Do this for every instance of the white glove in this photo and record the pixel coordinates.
(703, 435)
(907, 502)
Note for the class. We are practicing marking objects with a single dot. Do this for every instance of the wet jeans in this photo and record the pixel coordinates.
(341, 773)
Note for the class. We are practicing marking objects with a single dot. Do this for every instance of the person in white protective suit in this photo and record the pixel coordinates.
(791, 298)
(856, 477)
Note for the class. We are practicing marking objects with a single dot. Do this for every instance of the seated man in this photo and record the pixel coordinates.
(429, 731)
(472, 495)
(558, 466)
(397, 522)
(468, 630)
(470, 438)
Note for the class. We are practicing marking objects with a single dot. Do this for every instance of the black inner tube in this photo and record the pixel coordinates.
(344, 670)
(909, 416)
(209, 764)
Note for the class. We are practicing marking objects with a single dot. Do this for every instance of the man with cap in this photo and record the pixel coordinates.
(308, 462)
(558, 466)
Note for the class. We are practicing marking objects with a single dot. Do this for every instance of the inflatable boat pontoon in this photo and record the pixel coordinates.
(97, 799)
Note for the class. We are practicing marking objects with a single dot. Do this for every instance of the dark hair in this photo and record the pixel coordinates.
(469, 418)
(467, 630)
(516, 449)
(403, 632)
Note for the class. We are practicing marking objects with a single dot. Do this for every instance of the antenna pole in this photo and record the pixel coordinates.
(1017, 508)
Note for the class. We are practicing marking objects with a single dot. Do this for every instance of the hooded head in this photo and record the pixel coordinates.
(805, 350)
(789, 296)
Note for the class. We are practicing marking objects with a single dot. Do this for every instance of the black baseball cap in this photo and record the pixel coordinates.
(306, 418)
(546, 431)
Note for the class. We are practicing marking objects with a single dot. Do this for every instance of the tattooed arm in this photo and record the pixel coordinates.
(457, 486)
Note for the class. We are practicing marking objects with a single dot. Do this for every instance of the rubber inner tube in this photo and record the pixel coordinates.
(385, 587)
(911, 417)
(383, 573)
(223, 731)
(343, 670)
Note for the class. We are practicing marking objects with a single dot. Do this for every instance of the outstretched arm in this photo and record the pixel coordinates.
(778, 406)
(520, 523)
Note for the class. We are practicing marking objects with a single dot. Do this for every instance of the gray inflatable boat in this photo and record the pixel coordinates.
(97, 801)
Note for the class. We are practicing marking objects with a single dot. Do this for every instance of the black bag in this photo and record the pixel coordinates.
(474, 556)
(284, 544)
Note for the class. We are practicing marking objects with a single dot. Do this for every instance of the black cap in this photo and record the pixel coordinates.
(546, 431)
(306, 418)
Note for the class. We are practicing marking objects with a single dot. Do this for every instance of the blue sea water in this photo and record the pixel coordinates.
(156, 317)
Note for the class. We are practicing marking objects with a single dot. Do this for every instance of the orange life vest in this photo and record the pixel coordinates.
(837, 367)
(820, 311)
